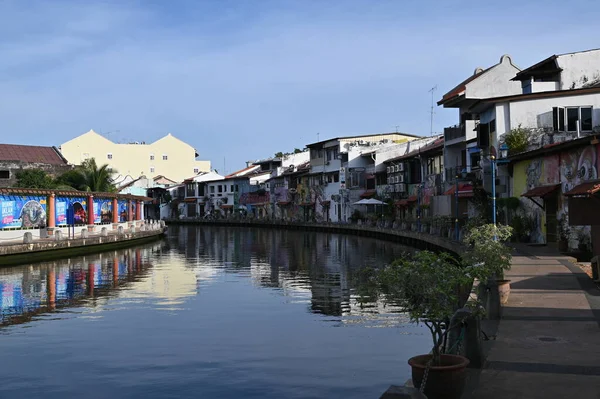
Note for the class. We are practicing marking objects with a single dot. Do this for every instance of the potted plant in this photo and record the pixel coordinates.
(487, 250)
(564, 234)
(427, 286)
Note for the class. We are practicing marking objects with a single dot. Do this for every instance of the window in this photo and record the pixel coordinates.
(4, 174)
(152, 157)
(220, 188)
(336, 177)
(196, 170)
(109, 156)
(231, 188)
(237, 188)
(212, 189)
(151, 169)
(165, 157)
(572, 119)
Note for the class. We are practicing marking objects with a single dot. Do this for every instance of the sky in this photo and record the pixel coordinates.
(241, 80)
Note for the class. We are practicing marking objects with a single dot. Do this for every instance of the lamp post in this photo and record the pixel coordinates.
(503, 154)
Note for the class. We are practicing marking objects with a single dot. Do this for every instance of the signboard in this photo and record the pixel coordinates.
(342, 178)
(102, 211)
(122, 211)
(22, 212)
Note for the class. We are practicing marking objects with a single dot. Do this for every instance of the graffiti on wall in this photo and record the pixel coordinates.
(569, 169)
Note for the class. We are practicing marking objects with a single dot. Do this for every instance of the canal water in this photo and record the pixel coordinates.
(209, 312)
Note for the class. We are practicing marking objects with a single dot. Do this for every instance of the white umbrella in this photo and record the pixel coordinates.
(369, 201)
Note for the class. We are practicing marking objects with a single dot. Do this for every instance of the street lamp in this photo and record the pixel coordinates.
(503, 153)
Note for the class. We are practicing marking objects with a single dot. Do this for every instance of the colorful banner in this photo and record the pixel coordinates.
(102, 211)
(60, 206)
(22, 212)
(122, 211)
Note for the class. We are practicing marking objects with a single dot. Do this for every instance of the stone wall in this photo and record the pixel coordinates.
(13, 167)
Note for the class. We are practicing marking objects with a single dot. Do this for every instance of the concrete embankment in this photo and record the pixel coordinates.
(48, 249)
(408, 238)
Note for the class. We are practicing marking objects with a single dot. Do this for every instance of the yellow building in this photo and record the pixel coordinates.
(167, 156)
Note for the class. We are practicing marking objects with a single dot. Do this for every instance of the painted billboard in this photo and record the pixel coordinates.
(22, 211)
(122, 211)
(102, 211)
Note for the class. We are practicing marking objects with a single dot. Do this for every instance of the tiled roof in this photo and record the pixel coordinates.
(464, 190)
(587, 188)
(31, 154)
(541, 191)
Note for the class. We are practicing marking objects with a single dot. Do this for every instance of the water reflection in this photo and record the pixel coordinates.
(316, 267)
(30, 290)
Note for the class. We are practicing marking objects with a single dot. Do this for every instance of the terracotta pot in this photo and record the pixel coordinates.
(503, 290)
(446, 381)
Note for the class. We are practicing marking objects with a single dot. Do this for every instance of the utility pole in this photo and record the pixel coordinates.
(432, 90)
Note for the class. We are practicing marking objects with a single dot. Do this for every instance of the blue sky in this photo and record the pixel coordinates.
(244, 79)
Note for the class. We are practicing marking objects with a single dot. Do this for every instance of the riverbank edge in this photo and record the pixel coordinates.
(409, 238)
(17, 254)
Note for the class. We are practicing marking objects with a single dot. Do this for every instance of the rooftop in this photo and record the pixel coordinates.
(363, 136)
(31, 154)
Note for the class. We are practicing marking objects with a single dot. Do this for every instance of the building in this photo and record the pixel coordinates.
(16, 158)
(167, 156)
(461, 149)
(199, 196)
(336, 170)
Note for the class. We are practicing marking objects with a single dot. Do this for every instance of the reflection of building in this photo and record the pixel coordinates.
(167, 156)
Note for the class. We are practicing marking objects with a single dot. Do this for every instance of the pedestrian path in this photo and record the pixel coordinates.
(548, 340)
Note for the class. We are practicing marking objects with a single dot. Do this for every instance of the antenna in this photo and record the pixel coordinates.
(397, 126)
(434, 88)
(318, 137)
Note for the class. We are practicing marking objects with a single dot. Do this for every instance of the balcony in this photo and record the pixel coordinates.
(459, 133)
(453, 132)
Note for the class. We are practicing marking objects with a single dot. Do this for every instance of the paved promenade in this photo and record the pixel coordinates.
(548, 341)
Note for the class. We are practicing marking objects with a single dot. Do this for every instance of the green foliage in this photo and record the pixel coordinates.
(34, 178)
(523, 226)
(89, 177)
(487, 254)
(279, 154)
(511, 203)
(356, 215)
(517, 139)
(297, 150)
(427, 286)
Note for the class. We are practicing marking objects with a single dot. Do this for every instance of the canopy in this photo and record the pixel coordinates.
(370, 201)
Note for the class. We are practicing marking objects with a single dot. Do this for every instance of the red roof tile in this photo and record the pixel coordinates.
(31, 154)
(541, 191)
(587, 188)
(368, 194)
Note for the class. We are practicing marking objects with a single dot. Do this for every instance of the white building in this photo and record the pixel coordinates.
(461, 148)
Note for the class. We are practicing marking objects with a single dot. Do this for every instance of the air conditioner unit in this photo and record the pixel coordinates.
(388, 169)
(390, 180)
(397, 179)
(397, 168)
(400, 168)
(400, 179)
(400, 188)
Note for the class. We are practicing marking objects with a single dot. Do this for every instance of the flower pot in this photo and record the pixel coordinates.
(446, 381)
(503, 290)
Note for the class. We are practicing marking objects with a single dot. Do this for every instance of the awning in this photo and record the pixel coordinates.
(226, 206)
(283, 203)
(190, 200)
(584, 189)
(412, 198)
(368, 194)
(325, 203)
(541, 191)
(307, 204)
(402, 203)
(465, 190)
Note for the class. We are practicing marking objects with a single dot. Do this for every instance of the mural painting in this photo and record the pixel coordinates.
(569, 169)
(22, 212)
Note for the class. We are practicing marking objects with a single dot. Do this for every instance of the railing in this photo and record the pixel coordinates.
(453, 132)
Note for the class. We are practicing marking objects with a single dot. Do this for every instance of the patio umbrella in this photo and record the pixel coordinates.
(371, 201)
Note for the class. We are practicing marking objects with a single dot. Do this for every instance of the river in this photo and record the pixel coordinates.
(208, 312)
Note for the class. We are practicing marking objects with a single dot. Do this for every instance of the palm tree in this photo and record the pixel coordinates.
(89, 177)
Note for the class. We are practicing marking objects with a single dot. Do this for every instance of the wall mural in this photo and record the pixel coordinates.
(22, 212)
(569, 169)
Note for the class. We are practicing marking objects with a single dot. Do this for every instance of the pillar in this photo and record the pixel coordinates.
(130, 212)
(90, 212)
(115, 213)
(51, 211)
(138, 211)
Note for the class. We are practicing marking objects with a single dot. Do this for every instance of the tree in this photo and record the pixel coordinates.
(34, 178)
(89, 177)
(279, 154)
(297, 150)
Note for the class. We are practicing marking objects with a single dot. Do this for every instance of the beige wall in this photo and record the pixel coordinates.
(135, 159)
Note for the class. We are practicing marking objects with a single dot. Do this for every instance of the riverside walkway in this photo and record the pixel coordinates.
(548, 340)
